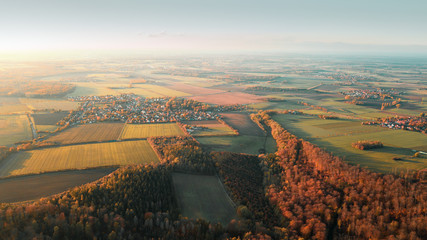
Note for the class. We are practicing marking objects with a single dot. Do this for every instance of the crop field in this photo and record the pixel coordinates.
(14, 128)
(9, 105)
(49, 104)
(193, 90)
(78, 157)
(243, 123)
(210, 128)
(97, 132)
(49, 118)
(336, 136)
(239, 144)
(24, 188)
(139, 131)
(203, 197)
(228, 98)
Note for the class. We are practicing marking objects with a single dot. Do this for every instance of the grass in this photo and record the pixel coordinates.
(49, 104)
(140, 131)
(336, 136)
(97, 132)
(210, 128)
(31, 187)
(243, 123)
(203, 197)
(78, 157)
(14, 128)
(238, 144)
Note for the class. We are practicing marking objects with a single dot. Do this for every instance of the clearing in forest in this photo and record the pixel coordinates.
(204, 197)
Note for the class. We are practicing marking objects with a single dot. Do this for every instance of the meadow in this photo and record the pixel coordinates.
(96, 132)
(204, 197)
(242, 123)
(14, 128)
(48, 118)
(337, 136)
(78, 157)
(140, 131)
(239, 144)
(210, 128)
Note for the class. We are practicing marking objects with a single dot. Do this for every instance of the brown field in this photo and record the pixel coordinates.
(243, 123)
(31, 187)
(75, 157)
(193, 90)
(97, 132)
(48, 118)
(140, 131)
(228, 98)
(211, 128)
(203, 197)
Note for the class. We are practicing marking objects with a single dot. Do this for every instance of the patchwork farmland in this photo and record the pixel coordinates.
(78, 157)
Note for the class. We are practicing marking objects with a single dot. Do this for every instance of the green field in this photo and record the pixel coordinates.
(78, 157)
(336, 136)
(139, 131)
(238, 144)
(210, 128)
(203, 197)
(14, 128)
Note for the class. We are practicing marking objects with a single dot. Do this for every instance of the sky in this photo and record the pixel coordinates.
(220, 25)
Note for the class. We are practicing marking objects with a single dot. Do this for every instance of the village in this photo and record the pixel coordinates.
(417, 124)
(133, 109)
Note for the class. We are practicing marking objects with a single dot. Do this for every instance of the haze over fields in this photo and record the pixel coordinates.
(213, 119)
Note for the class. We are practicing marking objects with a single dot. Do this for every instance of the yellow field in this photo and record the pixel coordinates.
(42, 104)
(9, 105)
(14, 128)
(135, 131)
(78, 157)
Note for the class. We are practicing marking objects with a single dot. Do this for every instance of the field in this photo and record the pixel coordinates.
(49, 104)
(97, 132)
(239, 144)
(203, 197)
(49, 118)
(210, 128)
(140, 131)
(14, 128)
(194, 90)
(24, 188)
(78, 157)
(228, 98)
(243, 123)
(336, 136)
(9, 105)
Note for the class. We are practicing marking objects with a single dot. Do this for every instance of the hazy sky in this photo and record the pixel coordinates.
(212, 25)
